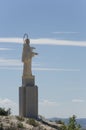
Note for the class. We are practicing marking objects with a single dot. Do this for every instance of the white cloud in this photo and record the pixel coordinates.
(5, 49)
(78, 101)
(46, 41)
(10, 68)
(47, 103)
(13, 62)
(66, 32)
(55, 69)
(7, 103)
(15, 40)
(10, 62)
(16, 64)
(15, 67)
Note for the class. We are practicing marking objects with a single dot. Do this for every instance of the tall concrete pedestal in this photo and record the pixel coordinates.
(28, 101)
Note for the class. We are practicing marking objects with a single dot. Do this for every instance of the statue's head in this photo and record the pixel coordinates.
(26, 39)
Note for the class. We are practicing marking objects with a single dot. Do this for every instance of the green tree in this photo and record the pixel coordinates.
(72, 124)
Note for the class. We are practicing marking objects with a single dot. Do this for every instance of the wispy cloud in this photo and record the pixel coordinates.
(66, 32)
(13, 63)
(10, 62)
(14, 40)
(10, 68)
(5, 49)
(78, 101)
(49, 41)
(56, 69)
(46, 41)
(7, 103)
(48, 103)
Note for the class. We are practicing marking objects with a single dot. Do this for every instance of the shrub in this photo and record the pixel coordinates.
(59, 122)
(1, 126)
(20, 125)
(4, 112)
(32, 122)
(20, 118)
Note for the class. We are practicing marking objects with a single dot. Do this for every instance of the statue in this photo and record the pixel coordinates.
(27, 56)
(28, 92)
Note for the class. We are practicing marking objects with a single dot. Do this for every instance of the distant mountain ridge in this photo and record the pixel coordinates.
(81, 121)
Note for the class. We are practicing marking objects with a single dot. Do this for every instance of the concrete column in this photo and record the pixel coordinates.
(28, 101)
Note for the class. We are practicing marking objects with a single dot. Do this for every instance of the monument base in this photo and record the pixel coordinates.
(28, 101)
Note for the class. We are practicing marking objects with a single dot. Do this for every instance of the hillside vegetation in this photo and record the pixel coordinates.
(8, 122)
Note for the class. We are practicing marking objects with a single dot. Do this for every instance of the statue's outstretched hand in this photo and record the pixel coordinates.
(34, 53)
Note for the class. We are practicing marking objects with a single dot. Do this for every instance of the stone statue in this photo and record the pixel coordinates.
(28, 92)
(27, 58)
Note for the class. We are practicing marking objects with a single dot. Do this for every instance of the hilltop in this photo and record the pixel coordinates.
(21, 123)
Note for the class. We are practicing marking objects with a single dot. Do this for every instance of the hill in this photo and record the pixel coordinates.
(21, 123)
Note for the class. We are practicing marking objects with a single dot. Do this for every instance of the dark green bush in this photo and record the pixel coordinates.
(32, 122)
(1, 126)
(20, 118)
(59, 122)
(20, 125)
(4, 112)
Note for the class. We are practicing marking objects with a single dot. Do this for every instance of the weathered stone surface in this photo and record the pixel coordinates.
(28, 101)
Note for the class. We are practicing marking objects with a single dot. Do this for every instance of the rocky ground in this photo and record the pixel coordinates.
(21, 123)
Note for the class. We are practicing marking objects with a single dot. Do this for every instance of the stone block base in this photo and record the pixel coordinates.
(28, 101)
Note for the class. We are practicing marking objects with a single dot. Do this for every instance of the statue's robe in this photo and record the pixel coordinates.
(27, 52)
(27, 59)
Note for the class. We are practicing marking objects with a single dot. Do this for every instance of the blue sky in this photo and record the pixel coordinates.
(57, 28)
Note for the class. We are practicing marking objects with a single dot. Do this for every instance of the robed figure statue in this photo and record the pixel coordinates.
(27, 55)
